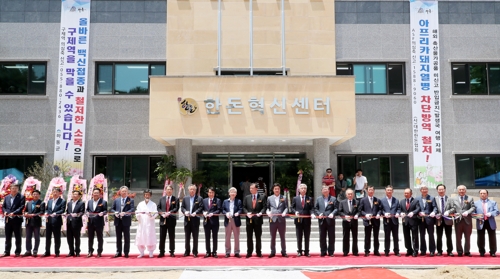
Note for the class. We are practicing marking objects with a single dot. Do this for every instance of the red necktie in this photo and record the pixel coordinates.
(168, 203)
(485, 209)
(209, 204)
(253, 202)
(302, 202)
(407, 204)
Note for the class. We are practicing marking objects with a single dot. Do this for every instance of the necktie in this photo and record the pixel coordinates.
(462, 201)
(442, 204)
(371, 202)
(423, 201)
(122, 204)
(32, 206)
(168, 203)
(485, 210)
(407, 204)
(253, 202)
(209, 203)
(53, 204)
(350, 205)
(303, 202)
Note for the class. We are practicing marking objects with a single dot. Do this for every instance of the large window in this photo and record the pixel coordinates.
(22, 78)
(17, 165)
(380, 170)
(136, 172)
(375, 78)
(126, 78)
(478, 170)
(476, 78)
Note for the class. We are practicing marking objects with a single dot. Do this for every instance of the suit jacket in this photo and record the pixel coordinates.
(414, 207)
(197, 208)
(102, 206)
(491, 207)
(331, 207)
(238, 208)
(308, 208)
(436, 203)
(126, 220)
(174, 208)
(365, 208)
(260, 207)
(426, 206)
(276, 211)
(35, 221)
(393, 209)
(344, 209)
(59, 208)
(78, 208)
(215, 209)
(339, 184)
(454, 207)
(15, 207)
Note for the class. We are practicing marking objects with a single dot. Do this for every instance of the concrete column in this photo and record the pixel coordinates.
(184, 155)
(321, 162)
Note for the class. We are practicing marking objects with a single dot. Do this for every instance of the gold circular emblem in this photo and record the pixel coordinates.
(188, 106)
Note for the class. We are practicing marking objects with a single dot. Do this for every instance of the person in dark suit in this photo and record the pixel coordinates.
(409, 212)
(325, 210)
(168, 206)
(13, 206)
(34, 209)
(74, 212)
(96, 209)
(426, 222)
(302, 205)
(254, 205)
(462, 207)
(348, 209)
(391, 211)
(371, 208)
(340, 187)
(55, 208)
(488, 209)
(211, 210)
(277, 208)
(123, 207)
(192, 205)
(232, 209)
(439, 203)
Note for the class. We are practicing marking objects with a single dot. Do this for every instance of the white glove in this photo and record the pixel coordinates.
(465, 214)
(53, 215)
(321, 214)
(236, 214)
(283, 214)
(330, 216)
(116, 214)
(387, 215)
(410, 214)
(249, 215)
(193, 214)
(368, 216)
(421, 214)
(152, 217)
(228, 215)
(164, 215)
(204, 214)
(377, 216)
(167, 214)
(446, 213)
(438, 217)
(402, 215)
(355, 217)
(74, 215)
(397, 215)
(122, 214)
(259, 214)
(432, 214)
(296, 214)
(313, 216)
(488, 214)
(101, 214)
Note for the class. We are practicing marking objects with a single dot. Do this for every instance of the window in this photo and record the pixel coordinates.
(376, 78)
(478, 170)
(476, 78)
(17, 165)
(380, 170)
(136, 172)
(126, 78)
(256, 72)
(22, 78)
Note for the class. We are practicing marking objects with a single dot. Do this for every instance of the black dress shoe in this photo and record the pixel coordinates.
(450, 254)
(70, 255)
(345, 254)
(284, 255)
(459, 254)
(207, 255)
(259, 255)
(27, 254)
(299, 254)
(397, 255)
(126, 255)
(414, 255)
(227, 255)
(493, 254)
(56, 255)
(431, 254)
(195, 255)
(367, 254)
(214, 255)
(89, 255)
(423, 254)
(376, 254)
(272, 255)
(17, 255)
(45, 255)
(467, 255)
(99, 255)
(35, 254)
(439, 254)
(356, 254)
(117, 255)
(407, 254)
(387, 254)
(186, 254)
(237, 255)
(330, 255)
(322, 254)
(248, 256)
(307, 255)
(5, 254)
(77, 255)
(481, 254)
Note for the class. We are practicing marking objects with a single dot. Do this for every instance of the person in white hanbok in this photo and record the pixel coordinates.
(146, 213)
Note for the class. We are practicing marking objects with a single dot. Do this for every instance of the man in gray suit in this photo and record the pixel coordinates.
(462, 206)
(488, 209)
(439, 204)
(391, 211)
(326, 209)
(276, 210)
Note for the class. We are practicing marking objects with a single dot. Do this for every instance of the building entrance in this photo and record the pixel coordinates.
(244, 173)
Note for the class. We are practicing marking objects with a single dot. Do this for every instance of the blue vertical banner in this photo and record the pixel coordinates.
(72, 85)
(426, 94)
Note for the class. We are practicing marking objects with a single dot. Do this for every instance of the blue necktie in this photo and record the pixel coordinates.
(32, 207)
(442, 204)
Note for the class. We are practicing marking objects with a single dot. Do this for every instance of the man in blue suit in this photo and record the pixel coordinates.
(391, 211)
(277, 208)
(302, 205)
(232, 209)
(74, 212)
(123, 207)
(33, 212)
(426, 221)
(192, 205)
(97, 208)
(211, 210)
(13, 205)
(442, 224)
(489, 209)
(371, 209)
(325, 209)
(55, 208)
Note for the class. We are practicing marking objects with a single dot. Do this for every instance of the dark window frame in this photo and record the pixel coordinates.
(468, 74)
(459, 157)
(28, 83)
(113, 64)
(37, 158)
(350, 71)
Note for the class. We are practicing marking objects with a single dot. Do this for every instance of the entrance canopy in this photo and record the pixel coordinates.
(252, 110)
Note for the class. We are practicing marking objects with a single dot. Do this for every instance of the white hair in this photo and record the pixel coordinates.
(232, 189)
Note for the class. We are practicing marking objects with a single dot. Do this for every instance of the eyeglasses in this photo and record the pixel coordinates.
(328, 171)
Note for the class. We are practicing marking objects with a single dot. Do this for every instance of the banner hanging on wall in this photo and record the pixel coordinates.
(72, 83)
(426, 95)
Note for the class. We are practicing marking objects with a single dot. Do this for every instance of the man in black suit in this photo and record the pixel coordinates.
(348, 209)
(277, 208)
(34, 209)
(409, 212)
(13, 206)
(211, 206)
(325, 209)
(302, 205)
(55, 208)
(391, 211)
(168, 206)
(96, 209)
(192, 205)
(123, 207)
(426, 222)
(254, 205)
(371, 208)
(74, 223)
(439, 205)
